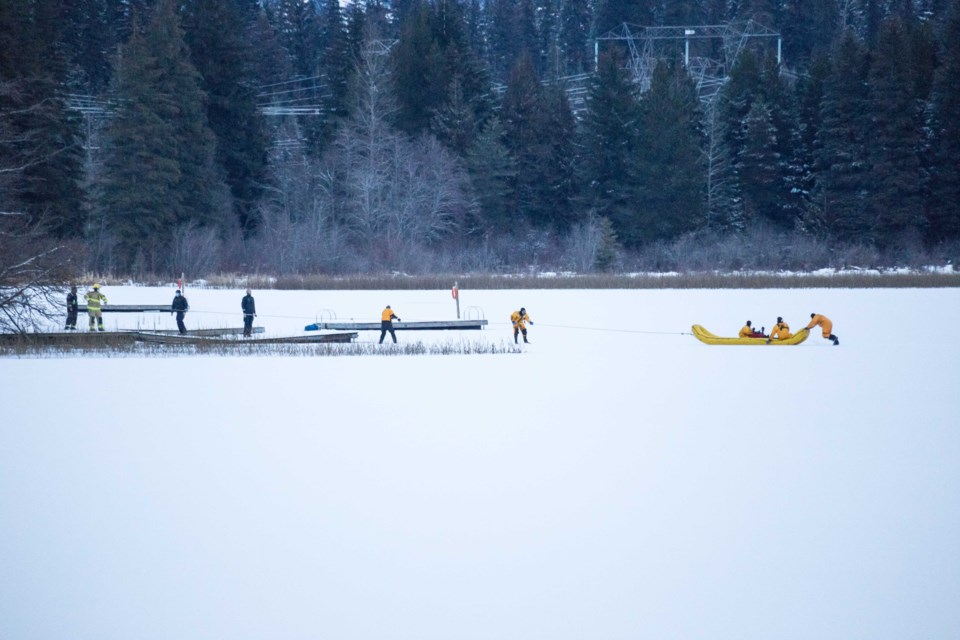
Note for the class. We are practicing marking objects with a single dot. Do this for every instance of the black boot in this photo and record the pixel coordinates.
(836, 340)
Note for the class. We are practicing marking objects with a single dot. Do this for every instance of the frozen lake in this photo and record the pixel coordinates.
(616, 480)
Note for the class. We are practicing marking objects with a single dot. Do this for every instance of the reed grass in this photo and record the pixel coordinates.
(125, 346)
(841, 280)
(865, 279)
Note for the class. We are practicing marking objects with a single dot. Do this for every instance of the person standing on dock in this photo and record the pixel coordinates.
(95, 300)
(386, 324)
(72, 308)
(520, 320)
(825, 324)
(249, 313)
(180, 307)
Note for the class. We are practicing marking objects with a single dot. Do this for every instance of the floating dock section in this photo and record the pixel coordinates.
(438, 325)
(228, 331)
(128, 308)
(164, 338)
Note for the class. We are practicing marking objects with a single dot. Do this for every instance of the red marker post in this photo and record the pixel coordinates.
(456, 296)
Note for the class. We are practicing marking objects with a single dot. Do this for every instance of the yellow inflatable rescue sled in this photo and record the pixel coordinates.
(706, 337)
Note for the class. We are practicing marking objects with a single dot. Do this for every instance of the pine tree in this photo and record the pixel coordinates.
(138, 191)
(737, 96)
(944, 209)
(547, 21)
(670, 172)
(760, 166)
(42, 150)
(733, 103)
(608, 247)
(432, 51)
(724, 203)
(502, 36)
(843, 164)
(575, 19)
(779, 97)
(612, 14)
(809, 27)
(298, 26)
(765, 12)
(527, 36)
(683, 13)
(337, 66)
(159, 168)
(215, 34)
(88, 41)
(492, 172)
(521, 116)
(894, 143)
(810, 91)
(558, 185)
(419, 83)
(454, 122)
(610, 130)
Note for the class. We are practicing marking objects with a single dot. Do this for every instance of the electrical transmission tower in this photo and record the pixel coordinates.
(708, 51)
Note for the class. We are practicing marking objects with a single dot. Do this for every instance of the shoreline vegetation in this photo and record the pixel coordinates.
(118, 345)
(825, 279)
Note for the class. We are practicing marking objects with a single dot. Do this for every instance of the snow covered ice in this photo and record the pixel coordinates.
(617, 480)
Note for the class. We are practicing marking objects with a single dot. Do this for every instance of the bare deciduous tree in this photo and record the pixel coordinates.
(33, 268)
(391, 193)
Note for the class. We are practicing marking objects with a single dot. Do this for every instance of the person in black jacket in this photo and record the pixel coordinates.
(249, 313)
(72, 309)
(180, 306)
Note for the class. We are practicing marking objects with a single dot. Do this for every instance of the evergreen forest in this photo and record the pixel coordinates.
(438, 136)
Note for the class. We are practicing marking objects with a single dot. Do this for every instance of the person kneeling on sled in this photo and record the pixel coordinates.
(825, 324)
(520, 320)
(780, 331)
(749, 332)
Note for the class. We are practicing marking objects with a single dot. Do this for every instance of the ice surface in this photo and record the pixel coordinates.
(617, 480)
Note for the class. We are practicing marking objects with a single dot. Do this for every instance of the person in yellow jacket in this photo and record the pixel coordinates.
(520, 320)
(387, 316)
(825, 324)
(95, 300)
(749, 332)
(780, 331)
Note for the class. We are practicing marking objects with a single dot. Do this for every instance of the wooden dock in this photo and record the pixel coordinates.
(226, 331)
(164, 338)
(100, 339)
(128, 308)
(437, 325)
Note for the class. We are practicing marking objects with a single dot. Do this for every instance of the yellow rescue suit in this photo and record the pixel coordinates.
(824, 323)
(781, 331)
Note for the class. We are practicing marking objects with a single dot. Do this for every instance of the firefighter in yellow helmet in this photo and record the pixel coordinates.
(95, 300)
(520, 320)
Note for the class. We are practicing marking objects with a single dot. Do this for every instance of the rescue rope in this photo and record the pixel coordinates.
(506, 324)
(604, 329)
